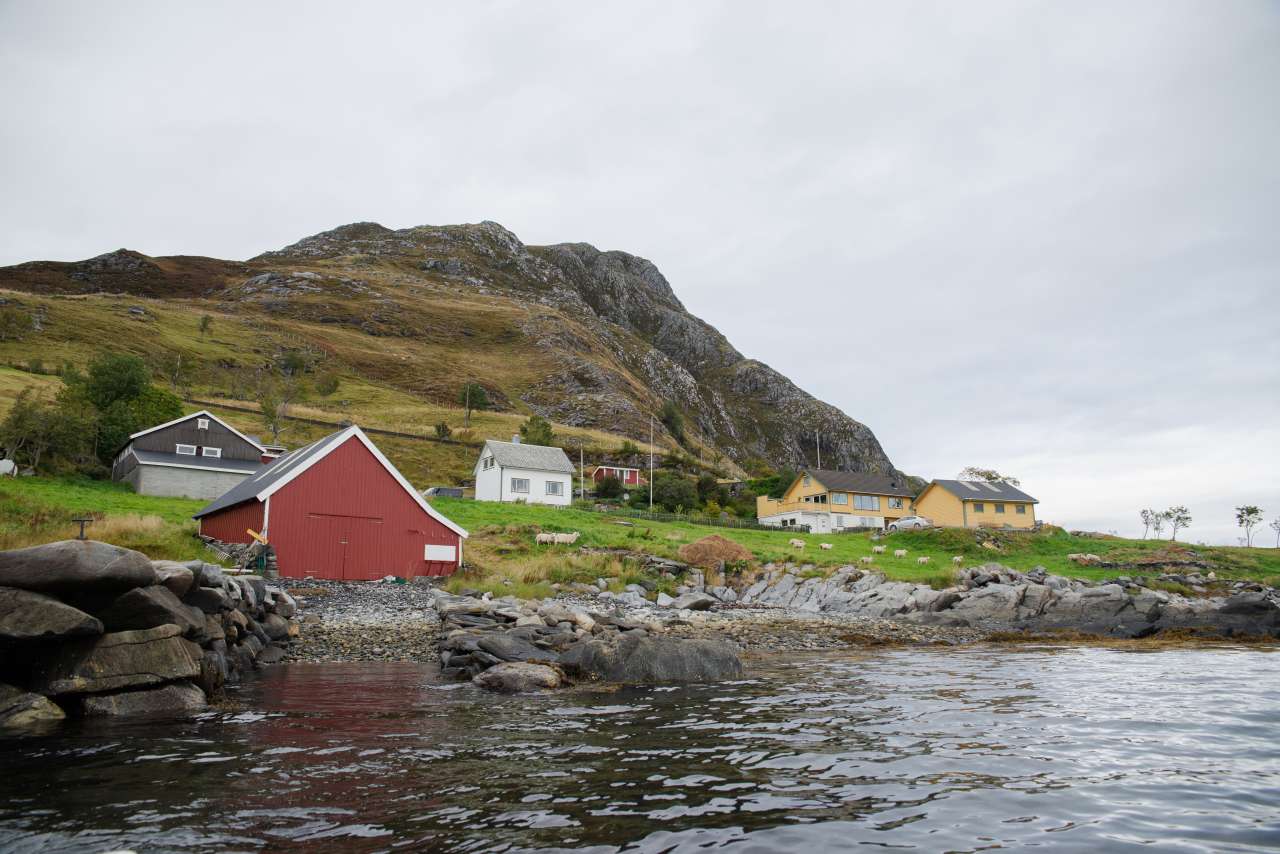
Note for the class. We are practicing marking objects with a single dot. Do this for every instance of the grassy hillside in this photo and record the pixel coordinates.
(503, 557)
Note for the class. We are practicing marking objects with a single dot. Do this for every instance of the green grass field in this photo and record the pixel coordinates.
(504, 558)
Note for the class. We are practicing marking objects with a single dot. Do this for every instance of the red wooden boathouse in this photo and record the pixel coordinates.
(338, 509)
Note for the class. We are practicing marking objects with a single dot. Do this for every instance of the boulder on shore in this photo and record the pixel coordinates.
(176, 576)
(174, 697)
(75, 566)
(638, 658)
(148, 607)
(117, 660)
(29, 616)
(519, 677)
(20, 709)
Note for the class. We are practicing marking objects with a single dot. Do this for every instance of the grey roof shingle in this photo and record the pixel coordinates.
(855, 481)
(189, 461)
(978, 490)
(521, 456)
(276, 469)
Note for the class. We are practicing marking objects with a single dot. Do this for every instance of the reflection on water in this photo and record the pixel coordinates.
(1061, 748)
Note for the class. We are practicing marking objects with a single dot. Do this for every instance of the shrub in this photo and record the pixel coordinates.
(610, 487)
(537, 431)
(673, 493)
(443, 431)
(326, 384)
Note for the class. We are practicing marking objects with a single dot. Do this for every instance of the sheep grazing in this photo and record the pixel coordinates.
(866, 559)
(824, 546)
(551, 539)
(957, 560)
(924, 559)
(878, 550)
(899, 552)
(799, 544)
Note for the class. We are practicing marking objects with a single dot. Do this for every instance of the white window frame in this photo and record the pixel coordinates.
(202, 423)
(555, 487)
(866, 502)
(190, 450)
(516, 483)
(895, 503)
(839, 498)
(486, 463)
(206, 451)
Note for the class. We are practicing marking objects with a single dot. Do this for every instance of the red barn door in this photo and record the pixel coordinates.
(344, 547)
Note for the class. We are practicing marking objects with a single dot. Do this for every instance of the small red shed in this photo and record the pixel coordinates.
(338, 509)
(628, 476)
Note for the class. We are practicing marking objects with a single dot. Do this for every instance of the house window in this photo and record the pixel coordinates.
(807, 481)
(839, 498)
(978, 507)
(211, 452)
(520, 484)
(1021, 509)
(202, 423)
(186, 450)
(866, 502)
(486, 463)
(555, 487)
(895, 503)
(999, 508)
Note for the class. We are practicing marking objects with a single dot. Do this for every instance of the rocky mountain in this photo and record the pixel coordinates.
(580, 336)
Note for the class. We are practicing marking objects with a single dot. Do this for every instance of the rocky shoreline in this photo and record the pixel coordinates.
(92, 629)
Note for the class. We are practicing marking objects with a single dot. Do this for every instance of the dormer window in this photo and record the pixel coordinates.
(211, 452)
(185, 450)
(202, 423)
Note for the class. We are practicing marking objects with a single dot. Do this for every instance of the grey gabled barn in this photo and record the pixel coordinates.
(195, 456)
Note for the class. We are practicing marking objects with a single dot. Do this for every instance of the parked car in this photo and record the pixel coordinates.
(908, 523)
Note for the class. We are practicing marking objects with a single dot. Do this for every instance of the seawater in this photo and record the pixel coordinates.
(1056, 748)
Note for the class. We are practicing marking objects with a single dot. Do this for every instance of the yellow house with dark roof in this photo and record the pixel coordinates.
(832, 500)
(975, 504)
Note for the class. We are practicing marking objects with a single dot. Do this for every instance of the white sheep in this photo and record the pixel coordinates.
(878, 550)
(899, 552)
(824, 546)
(567, 539)
(545, 539)
(924, 559)
(799, 544)
(866, 559)
(958, 559)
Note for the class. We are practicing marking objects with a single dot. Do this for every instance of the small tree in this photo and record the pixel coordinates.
(988, 475)
(672, 419)
(609, 487)
(1157, 523)
(1275, 526)
(1179, 517)
(537, 431)
(206, 323)
(472, 396)
(674, 493)
(1248, 517)
(628, 448)
(1147, 516)
(326, 384)
(708, 488)
(443, 431)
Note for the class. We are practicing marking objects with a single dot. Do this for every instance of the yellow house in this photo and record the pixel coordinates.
(831, 500)
(975, 504)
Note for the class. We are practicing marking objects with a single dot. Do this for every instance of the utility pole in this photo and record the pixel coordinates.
(582, 477)
(650, 462)
(467, 419)
(817, 438)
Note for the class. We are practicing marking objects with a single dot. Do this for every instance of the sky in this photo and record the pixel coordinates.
(1037, 237)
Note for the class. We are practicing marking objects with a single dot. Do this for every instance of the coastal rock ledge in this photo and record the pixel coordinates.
(88, 628)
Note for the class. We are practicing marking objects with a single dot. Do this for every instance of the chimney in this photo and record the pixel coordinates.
(515, 440)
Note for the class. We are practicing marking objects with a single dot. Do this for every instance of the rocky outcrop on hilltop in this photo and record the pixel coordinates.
(624, 342)
(88, 628)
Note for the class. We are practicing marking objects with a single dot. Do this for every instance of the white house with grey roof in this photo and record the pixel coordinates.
(514, 471)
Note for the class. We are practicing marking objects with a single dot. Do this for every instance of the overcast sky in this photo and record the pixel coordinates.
(1043, 238)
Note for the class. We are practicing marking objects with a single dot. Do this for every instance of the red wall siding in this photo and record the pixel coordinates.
(348, 496)
(229, 525)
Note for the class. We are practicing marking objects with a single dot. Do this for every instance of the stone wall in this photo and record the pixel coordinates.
(88, 628)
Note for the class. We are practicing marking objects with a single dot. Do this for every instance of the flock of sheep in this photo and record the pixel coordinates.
(875, 550)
